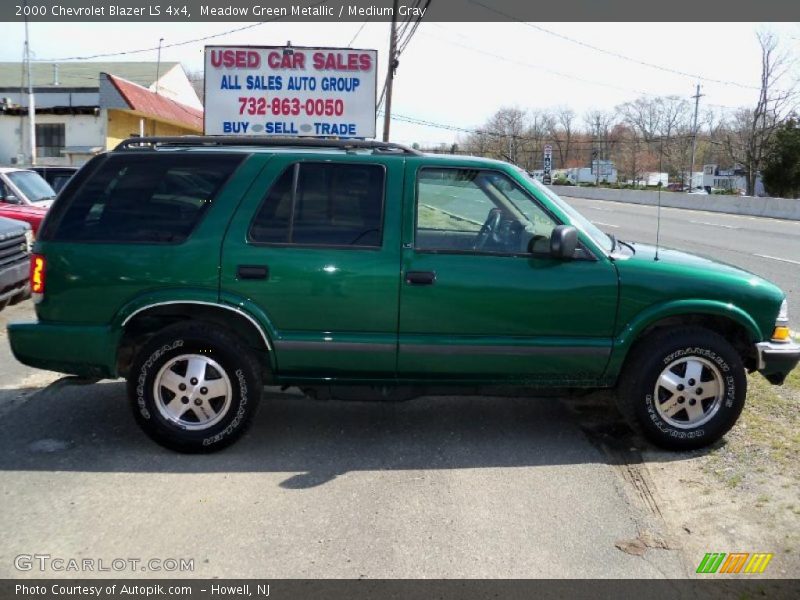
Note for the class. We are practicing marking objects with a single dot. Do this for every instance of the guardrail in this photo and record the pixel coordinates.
(776, 208)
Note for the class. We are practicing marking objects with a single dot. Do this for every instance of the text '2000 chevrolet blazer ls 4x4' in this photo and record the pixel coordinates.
(203, 268)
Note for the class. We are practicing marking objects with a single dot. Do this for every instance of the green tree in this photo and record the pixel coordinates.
(781, 172)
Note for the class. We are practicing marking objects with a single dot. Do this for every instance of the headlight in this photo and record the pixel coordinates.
(783, 313)
(29, 239)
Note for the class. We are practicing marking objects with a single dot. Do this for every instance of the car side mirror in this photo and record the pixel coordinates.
(11, 199)
(563, 241)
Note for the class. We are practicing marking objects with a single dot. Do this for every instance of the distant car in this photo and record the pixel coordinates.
(23, 186)
(677, 187)
(57, 177)
(31, 214)
(15, 246)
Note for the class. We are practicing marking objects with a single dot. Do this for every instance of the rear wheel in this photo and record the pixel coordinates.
(194, 387)
(683, 388)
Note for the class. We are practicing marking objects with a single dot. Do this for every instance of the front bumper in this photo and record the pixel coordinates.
(14, 279)
(776, 360)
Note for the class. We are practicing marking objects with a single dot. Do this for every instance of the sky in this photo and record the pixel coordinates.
(459, 74)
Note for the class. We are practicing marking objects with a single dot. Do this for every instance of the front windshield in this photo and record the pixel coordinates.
(32, 185)
(577, 218)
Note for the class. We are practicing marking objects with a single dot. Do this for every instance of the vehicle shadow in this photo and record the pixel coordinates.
(89, 428)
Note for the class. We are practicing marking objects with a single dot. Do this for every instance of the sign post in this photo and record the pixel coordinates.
(275, 90)
(548, 164)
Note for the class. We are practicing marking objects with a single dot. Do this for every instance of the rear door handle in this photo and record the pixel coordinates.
(252, 272)
(420, 277)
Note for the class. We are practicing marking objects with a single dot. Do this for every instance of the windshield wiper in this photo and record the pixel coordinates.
(613, 239)
(628, 245)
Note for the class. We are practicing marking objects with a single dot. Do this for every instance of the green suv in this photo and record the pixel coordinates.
(203, 268)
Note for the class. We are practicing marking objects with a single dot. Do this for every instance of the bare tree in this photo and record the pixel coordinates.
(502, 136)
(600, 123)
(667, 118)
(478, 143)
(508, 125)
(750, 130)
(537, 132)
(196, 78)
(561, 130)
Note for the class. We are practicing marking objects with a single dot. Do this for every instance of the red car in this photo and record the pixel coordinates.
(24, 212)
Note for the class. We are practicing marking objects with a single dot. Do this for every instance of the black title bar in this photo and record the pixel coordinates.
(333, 11)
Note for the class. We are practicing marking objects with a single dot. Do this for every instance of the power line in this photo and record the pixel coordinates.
(174, 44)
(540, 67)
(542, 138)
(557, 72)
(404, 27)
(399, 50)
(615, 54)
(350, 45)
(413, 29)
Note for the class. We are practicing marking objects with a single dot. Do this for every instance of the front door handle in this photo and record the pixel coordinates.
(420, 277)
(252, 272)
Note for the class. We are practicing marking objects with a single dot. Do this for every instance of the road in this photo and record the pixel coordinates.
(767, 247)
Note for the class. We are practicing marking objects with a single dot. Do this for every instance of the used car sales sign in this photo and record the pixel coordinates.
(257, 90)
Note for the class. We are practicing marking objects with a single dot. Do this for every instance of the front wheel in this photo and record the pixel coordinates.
(194, 387)
(684, 388)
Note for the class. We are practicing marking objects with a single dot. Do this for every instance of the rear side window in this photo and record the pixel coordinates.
(323, 204)
(147, 199)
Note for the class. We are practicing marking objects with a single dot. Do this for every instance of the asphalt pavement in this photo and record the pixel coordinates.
(767, 247)
(435, 487)
(444, 487)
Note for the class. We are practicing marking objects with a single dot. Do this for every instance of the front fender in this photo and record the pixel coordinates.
(631, 331)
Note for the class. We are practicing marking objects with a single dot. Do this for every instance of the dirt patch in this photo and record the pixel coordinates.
(740, 495)
(639, 545)
(743, 494)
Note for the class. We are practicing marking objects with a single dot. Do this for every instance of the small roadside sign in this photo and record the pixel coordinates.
(548, 164)
(276, 90)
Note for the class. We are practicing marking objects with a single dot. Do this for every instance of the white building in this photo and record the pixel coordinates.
(602, 171)
(729, 179)
(81, 110)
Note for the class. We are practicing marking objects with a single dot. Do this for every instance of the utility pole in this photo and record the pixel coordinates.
(387, 112)
(696, 97)
(596, 156)
(158, 63)
(31, 103)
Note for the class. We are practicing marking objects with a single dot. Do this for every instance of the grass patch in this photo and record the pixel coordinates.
(793, 380)
(734, 481)
(436, 218)
(765, 443)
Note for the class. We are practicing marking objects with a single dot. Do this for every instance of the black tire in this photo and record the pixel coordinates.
(647, 407)
(229, 363)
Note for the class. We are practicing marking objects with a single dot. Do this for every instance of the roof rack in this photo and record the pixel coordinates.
(138, 143)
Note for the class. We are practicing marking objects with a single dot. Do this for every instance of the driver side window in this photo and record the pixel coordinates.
(473, 210)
